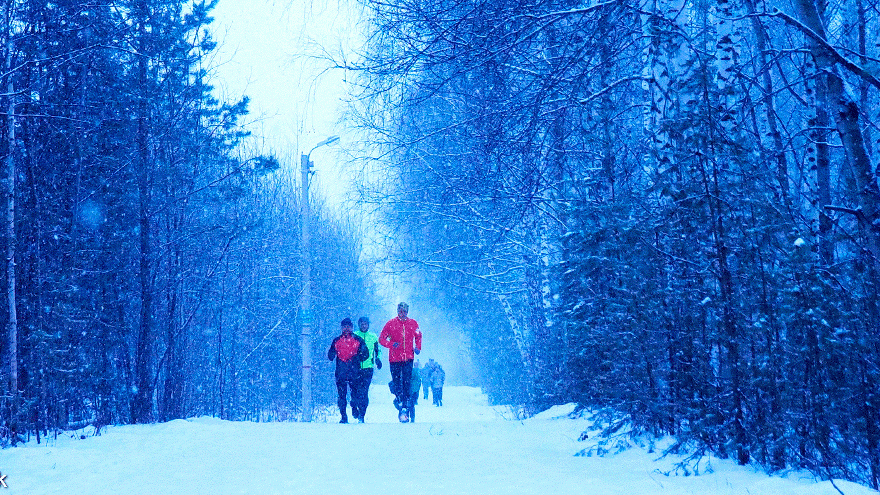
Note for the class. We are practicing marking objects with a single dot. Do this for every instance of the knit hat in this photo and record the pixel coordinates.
(363, 319)
(347, 322)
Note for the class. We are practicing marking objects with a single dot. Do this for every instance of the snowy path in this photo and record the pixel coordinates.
(465, 447)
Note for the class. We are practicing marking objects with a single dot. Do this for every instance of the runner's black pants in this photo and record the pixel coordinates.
(401, 379)
(360, 394)
(343, 385)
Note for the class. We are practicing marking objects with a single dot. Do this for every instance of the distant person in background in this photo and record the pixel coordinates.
(360, 397)
(349, 351)
(428, 375)
(437, 379)
(425, 376)
(402, 338)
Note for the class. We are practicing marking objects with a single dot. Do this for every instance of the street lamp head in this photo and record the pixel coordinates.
(329, 140)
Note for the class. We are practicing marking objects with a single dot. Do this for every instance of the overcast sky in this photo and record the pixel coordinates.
(267, 51)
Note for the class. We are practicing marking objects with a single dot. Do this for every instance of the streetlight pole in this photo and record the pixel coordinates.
(305, 313)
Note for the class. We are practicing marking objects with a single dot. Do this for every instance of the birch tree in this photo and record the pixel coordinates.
(9, 191)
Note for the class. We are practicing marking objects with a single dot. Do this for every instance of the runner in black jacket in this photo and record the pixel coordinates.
(349, 351)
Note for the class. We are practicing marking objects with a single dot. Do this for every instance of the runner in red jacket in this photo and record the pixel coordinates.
(403, 339)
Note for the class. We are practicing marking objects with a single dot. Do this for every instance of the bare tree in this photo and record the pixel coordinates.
(9, 192)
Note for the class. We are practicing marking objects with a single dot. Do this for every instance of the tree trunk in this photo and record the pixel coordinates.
(173, 388)
(518, 336)
(11, 297)
(863, 51)
(219, 403)
(142, 405)
(726, 51)
(847, 119)
(770, 112)
(870, 413)
(819, 155)
(664, 54)
(731, 336)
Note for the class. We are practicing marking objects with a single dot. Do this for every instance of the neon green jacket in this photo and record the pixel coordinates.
(372, 345)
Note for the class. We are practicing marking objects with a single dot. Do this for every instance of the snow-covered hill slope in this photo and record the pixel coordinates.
(465, 447)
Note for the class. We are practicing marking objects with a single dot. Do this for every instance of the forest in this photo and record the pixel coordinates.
(152, 261)
(665, 211)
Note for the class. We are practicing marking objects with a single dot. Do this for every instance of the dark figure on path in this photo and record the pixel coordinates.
(349, 351)
(361, 397)
(428, 374)
(425, 375)
(437, 379)
(402, 338)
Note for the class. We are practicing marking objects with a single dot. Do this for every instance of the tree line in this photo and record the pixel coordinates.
(667, 207)
(152, 259)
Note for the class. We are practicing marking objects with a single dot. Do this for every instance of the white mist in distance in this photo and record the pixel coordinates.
(275, 53)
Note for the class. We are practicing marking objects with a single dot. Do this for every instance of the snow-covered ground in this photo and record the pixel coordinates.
(466, 447)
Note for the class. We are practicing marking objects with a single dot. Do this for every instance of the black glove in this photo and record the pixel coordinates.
(417, 351)
(378, 364)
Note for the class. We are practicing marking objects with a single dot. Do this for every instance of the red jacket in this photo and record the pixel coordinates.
(401, 338)
(349, 351)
